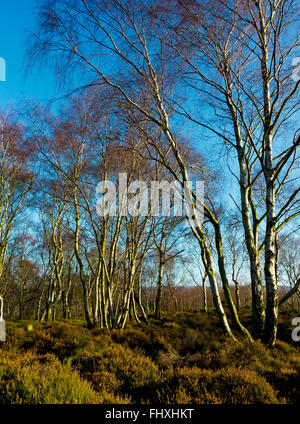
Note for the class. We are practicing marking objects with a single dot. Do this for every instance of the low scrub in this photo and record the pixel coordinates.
(119, 369)
(32, 379)
(229, 385)
(181, 359)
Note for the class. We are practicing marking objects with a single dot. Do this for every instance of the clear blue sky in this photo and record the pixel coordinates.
(16, 17)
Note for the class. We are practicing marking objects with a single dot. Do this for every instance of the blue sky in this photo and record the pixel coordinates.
(16, 17)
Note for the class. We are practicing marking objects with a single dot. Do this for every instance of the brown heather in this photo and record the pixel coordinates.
(179, 361)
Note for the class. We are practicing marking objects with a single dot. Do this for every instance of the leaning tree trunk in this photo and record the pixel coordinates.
(231, 306)
(290, 293)
(208, 263)
(138, 297)
(198, 232)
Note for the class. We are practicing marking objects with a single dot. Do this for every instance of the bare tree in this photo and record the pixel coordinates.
(234, 57)
(15, 179)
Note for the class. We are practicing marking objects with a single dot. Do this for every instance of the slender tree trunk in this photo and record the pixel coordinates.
(96, 308)
(110, 308)
(134, 308)
(270, 255)
(103, 281)
(127, 307)
(232, 308)
(204, 293)
(251, 234)
(79, 260)
(237, 295)
(258, 313)
(271, 323)
(104, 323)
(130, 311)
(207, 261)
(173, 294)
(159, 287)
(38, 313)
(139, 297)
